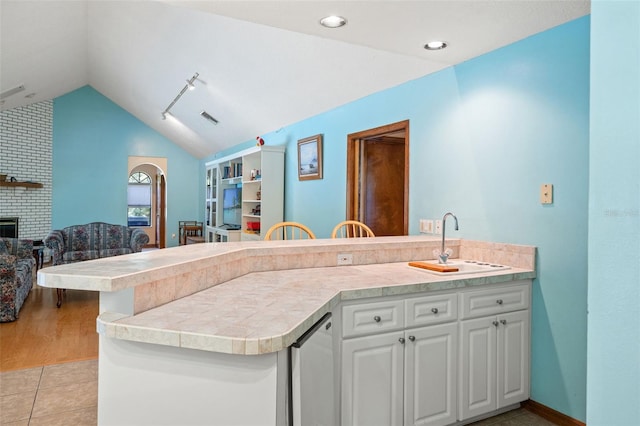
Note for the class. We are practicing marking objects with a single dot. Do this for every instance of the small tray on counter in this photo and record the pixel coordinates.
(434, 266)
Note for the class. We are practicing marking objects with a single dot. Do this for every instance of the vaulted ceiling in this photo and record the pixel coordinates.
(262, 64)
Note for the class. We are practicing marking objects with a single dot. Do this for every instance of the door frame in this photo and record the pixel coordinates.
(161, 209)
(353, 160)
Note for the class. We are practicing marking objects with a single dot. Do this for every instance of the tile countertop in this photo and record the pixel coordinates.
(259, 297)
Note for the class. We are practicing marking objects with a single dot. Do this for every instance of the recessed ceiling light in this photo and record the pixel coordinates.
(435, 45)
(333, 21)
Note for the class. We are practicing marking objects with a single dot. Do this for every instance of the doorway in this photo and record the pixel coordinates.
(154, 167)
(378, 178)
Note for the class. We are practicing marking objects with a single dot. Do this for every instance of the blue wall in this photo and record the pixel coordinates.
(613, 391)
(484, 135)
(92, 140)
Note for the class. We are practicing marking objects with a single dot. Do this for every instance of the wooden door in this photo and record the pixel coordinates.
(378, 178)
(382, 185)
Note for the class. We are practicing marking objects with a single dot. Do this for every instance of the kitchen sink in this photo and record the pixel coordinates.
(463, 266)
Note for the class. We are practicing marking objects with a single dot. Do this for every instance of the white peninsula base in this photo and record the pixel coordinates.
(187, 387)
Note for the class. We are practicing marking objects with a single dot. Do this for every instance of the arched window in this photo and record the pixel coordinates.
(139, 199)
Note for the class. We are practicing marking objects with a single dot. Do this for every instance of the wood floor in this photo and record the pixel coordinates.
(45, 335)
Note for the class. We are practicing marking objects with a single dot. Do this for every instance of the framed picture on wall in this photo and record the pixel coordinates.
(310, 158)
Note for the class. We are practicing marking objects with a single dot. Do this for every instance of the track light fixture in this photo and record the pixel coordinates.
(12, 91)
(188, 86)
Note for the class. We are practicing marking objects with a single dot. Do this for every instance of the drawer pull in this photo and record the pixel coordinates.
(503, 322)
(401, 340)
(499, 301)
(434, 310)
(412, 338)
(496, 323)
(377, 318)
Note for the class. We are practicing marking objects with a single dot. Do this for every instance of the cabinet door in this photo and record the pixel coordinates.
(478, 339)
(430, 375)
(372, 368)
(513, 358)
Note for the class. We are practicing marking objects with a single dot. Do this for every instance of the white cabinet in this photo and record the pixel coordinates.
(430, 375)
(372, 380)
(258, 175)
(435, 359)
(211, 196)
(432, 309)
(403, 377)
(369, 318)
(263, 191)
(513, 358)
(494, 349)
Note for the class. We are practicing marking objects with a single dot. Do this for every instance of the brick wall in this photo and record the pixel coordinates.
(26, 145)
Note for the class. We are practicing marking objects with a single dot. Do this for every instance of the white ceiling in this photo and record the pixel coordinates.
(262, 64)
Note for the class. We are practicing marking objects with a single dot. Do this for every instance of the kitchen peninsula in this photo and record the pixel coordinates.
(199, 334)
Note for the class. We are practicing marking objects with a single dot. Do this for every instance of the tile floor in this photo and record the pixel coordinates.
(61, 394)
(67, 394)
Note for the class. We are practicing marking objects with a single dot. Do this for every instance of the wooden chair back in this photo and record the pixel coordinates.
(289, 231)
(351, 229)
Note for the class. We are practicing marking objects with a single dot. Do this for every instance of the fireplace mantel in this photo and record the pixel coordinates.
(24, 184)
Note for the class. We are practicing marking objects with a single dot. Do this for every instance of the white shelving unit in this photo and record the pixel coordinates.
(260, 173)
(211, 196)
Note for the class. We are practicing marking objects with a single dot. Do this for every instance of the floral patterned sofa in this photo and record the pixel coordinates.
(16, 277)
(93, 241)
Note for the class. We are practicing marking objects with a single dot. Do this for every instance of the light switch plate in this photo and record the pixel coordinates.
(438, 227)
(426, 226)
(429, 226)
(546, 193)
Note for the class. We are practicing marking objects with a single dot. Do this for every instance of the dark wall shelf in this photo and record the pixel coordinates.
(24, 184)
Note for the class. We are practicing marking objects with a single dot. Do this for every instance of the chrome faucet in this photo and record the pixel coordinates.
(444, 254)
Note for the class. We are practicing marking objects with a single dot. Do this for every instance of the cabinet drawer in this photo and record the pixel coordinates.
(374, 317)
(494, 301)
(433, 309)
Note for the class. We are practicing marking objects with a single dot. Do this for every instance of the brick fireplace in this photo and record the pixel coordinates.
(9, 227)
(26, 153)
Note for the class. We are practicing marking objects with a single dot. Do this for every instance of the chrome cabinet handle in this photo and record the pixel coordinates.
(412, 338)
(503, 322)
(434, 310)
(496, 323)
(499, 301)
(376, 318)
(401, 340)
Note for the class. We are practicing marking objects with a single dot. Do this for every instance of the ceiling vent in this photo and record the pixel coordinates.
(208, 116)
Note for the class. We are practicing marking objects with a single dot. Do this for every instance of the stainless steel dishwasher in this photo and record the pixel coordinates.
(312, 378)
